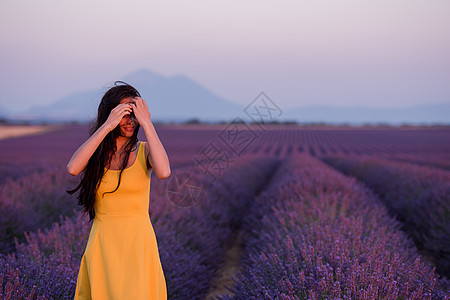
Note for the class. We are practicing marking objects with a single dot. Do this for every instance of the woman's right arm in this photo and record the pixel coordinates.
(80, 158)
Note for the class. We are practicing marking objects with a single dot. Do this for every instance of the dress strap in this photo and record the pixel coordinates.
(142, 158)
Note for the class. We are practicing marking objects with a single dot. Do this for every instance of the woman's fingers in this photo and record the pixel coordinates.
(119, 112)
(119, 108)
(138, 102)
(124, 108)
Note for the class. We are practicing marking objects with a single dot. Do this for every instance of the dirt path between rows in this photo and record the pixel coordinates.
(229, 268)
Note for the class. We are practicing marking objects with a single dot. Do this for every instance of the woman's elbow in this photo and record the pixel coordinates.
(72, 171)
(164, 175)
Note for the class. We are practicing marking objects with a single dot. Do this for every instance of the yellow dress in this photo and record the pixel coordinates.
(121, 259)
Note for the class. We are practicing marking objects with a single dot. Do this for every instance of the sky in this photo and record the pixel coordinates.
(373, 53)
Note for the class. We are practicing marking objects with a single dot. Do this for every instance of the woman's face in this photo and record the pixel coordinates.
(128, 124)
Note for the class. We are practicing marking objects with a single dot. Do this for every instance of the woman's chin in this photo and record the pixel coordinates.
(127, 133)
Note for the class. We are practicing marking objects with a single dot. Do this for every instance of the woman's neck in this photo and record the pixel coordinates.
(120, 142)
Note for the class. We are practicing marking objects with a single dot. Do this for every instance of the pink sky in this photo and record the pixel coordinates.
(372, 53)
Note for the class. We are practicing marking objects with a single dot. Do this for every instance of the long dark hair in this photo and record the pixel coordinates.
(95, 169)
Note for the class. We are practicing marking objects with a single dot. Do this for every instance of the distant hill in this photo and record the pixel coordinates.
(178, 98)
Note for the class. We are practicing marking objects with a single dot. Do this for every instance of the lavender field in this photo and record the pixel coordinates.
(287, 212)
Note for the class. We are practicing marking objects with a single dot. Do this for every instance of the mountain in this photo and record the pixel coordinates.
(176, 98)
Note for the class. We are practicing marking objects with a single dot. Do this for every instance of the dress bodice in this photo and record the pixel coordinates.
(133, 194)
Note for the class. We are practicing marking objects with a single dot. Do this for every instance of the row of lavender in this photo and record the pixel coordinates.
(316, 234)
(437, 161)
(32, 202)
(418, 196)
(190, 240)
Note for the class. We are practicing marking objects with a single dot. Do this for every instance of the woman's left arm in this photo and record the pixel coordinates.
(157, 155)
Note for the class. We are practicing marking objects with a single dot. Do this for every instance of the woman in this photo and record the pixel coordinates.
(121, 259)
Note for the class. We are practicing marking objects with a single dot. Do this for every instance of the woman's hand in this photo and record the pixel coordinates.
(117, 114)
(140, 110)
